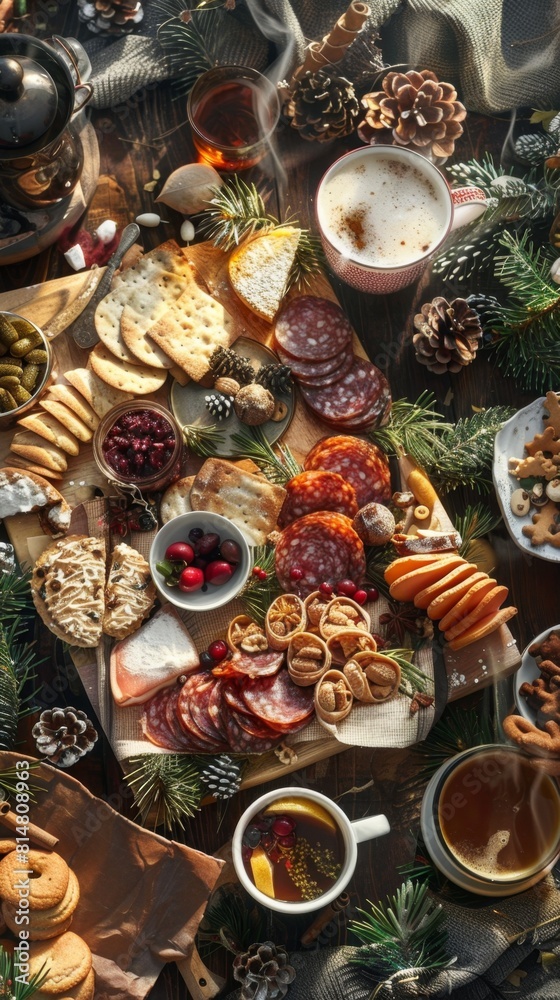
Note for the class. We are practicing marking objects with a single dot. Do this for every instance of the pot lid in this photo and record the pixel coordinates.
(28, 101)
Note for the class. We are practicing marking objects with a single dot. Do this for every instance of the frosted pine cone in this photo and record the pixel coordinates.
(448, 335)
(263, 971)
(63, 735)
(415, 110)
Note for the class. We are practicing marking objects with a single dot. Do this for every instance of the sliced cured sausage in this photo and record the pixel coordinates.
(317, 490)
(312, 369)
(363, 390)
(312, 328)
(324, 546)
(257, 664)
(154, 721)
(278, 701)
(240, 741)
(346, 360)
(360, 462)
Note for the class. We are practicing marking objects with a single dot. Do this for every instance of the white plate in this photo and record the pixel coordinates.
(510, 443)
(527, 673)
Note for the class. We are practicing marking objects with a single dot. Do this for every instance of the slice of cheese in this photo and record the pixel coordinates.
(151, 658)
(259, 269)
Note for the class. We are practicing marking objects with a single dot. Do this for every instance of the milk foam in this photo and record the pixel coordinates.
(382, 212)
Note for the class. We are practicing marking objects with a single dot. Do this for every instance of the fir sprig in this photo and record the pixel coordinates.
(475, 522)
(203, 441)
(191, 44)
(166, 789)
(15, 596)
(526, 341)
(10, 779)
(229, 921)
(14, 985)
(407, 932)
(412, 429)
(258, 594)
(253, 444)
(458, 729)
(238, 211)
(465, 451)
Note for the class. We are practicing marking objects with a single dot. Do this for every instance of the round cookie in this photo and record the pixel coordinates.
(67, 958)
(7, 845)
(47, 883)
(83, 991)
(44, 924)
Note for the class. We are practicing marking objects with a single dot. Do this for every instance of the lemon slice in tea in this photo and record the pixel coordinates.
(302, 807)
(261, 870)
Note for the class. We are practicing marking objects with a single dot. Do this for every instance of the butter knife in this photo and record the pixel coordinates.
(83, 328)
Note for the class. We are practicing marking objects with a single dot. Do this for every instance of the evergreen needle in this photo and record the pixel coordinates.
(204, 441)
(413, 429)
(253, 444)
(166, 788)
(257, 595)
(476, 522)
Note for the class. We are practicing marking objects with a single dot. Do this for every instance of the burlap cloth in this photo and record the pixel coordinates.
(502, 54)
(489, 944)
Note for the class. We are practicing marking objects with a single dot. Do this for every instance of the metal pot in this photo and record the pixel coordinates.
(41, 92)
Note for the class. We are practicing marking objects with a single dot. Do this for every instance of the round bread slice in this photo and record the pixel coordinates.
(176, 499)
(407, 586)
(26, 492)
(137, 379)
(66, 958)
(406, 564)
(68, 418)
(491, 602)
(67, 586)
(467, 603)
(48, 427)
(442, 605)
(130, 592)
(483, 628)
(457, 575)
(74, 401)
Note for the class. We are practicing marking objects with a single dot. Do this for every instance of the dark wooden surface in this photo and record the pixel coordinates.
(364, 782)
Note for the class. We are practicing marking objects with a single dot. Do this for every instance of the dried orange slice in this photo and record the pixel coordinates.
(442, 605)
(490, 603)
(407, 586)
(467, 603)
(483, 627)
(406, 564)
(426, 596)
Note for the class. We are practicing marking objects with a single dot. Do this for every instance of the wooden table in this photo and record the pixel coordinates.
(364, 781)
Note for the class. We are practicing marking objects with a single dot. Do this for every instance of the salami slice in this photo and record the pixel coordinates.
(231, 696)
(324, 546)
(323, 381)
(364, 389)
(215, 710)
(199, 710)
(185, 743)
(312, 328)
(360, 462)
(278, 701)
(240, 741)
(253, 726)
(312, 369)
(317, 490)
(186, 719)
(257, 664)
(154, 721)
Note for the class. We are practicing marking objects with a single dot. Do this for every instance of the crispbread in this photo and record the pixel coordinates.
(133, 333)
(191, 330)
(48, 427)
(37, 449)
(17, 462)
(67, 586)
(68, 418)
(130, 592)
(100, 396)
(176, 499)
(137, 379)
(24, 492)
(148, 288)
(74, 401)
(259, 269)
(252, 503)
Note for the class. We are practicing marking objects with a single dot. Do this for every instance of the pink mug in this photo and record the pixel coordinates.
(383, 212)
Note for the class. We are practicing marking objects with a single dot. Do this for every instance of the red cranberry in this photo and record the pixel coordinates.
(288, 841)
(191, 579)
(373, 594)
(179, 550)
(325, 589)
(262, 575)
(360, 596)
(283, 826)
(257, 571)
(218, 650)
(218, 572)
(230, 551)
(296, 573)
(346, 588)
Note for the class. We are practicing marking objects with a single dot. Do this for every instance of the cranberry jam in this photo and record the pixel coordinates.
(139, 443)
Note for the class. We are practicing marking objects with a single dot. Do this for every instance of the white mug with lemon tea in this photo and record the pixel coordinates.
(384, 211)
(295, 851)
(490, 820)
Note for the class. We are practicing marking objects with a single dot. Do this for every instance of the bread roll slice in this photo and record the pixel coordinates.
(259, 269)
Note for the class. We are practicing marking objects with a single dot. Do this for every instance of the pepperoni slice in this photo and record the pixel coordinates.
(317, 490)
(324, 546)
(360, 462)
(312, 328)
(364, 389)
(154, 721)
(278, 701)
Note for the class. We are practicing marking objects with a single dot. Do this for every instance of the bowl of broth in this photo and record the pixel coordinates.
(490, 820)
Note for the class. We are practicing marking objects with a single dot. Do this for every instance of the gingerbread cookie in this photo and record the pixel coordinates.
(47, 883)
(552, 417)
(545, 442)
(67, 959)
(545, 526)
(535, 465)
(542, 742)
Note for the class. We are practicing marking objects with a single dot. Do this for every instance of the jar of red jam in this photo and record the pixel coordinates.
(139, 443)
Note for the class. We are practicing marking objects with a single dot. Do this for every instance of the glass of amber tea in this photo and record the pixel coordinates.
(294, 850)
(233, 111)
(491, 820)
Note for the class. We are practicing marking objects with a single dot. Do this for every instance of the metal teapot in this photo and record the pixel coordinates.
(41, 92)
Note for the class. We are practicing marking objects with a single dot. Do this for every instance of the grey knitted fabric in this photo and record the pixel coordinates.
(502, 54)
(490, 942)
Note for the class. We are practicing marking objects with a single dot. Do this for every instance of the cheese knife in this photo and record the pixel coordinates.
(83, 328)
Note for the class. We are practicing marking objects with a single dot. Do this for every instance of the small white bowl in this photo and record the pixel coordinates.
(177, 530)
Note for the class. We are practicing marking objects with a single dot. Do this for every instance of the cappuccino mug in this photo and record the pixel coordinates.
(384, 211)
(349, 835)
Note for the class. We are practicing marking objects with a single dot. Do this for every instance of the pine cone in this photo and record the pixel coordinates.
(448, 337)
(417, 111)
(275, 378)
(222, 776)
(263, 971)
(323, 106)
(110, 17)
(487, 307)
(226, 362)
(63, 735)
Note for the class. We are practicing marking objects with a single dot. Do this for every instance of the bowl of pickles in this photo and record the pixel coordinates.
(25, 366)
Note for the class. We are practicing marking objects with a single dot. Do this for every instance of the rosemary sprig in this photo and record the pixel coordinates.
(253, 444)
(476, 522)
(166, 789)
(204, 441)
(412, 678)
(257, 595)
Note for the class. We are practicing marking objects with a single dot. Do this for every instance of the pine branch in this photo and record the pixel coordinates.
(231, 921)
(257, 595)
(15, 596)
(253, 444)
(458, 729)
(407, 932)
(204, 441)
(10, 778)
(166, 788)
(14, 985)
(413, 429)
(465, 452)
(476, 522)
(192, 46)
(413, 679)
